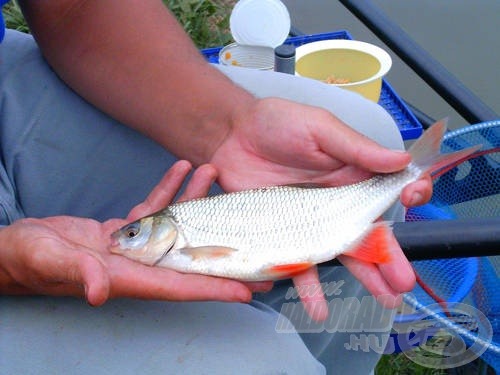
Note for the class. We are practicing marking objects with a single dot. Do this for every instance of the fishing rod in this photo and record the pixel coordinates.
(442, 239)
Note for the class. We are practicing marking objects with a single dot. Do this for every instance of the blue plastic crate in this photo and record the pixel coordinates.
(408, 124)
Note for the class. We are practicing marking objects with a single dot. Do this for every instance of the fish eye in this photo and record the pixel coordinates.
(132, 230)
(131, 233)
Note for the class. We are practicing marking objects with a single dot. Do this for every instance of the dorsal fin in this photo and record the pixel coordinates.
(308, 185)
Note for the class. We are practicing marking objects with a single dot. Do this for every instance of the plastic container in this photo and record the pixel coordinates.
(409, 126)
(349, 64)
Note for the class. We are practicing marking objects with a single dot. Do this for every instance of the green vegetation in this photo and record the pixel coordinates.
(14, 18)
(206, 21)
(400, 364)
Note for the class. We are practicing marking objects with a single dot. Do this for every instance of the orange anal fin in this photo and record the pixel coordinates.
(374, 247)
(288, 270)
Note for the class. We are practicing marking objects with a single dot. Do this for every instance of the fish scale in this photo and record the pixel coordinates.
(275, 232)
(280, 225)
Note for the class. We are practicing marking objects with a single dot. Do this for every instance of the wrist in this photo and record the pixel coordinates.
(236, 110)
(8, 284)
(212, 116)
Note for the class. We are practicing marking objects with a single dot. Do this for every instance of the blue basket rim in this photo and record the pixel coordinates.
(471, 128)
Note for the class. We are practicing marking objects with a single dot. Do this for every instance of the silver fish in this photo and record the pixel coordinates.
(275, 232)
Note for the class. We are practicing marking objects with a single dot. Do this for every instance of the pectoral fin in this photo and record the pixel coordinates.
(208, 252)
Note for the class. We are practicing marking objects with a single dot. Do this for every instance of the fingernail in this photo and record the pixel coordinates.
(243, 295)
(86, 289)
(416, 199)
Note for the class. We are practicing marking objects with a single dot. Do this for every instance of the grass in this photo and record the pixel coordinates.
(399, 364)
(206, 21)
(14, 18)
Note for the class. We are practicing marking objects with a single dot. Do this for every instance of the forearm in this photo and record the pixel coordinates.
(134, 61)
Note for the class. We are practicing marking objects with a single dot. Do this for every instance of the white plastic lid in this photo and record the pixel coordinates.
(260, 23)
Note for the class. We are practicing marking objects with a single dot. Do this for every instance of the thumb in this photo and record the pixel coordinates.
(83, 269)
(164, 192)
(356, 149)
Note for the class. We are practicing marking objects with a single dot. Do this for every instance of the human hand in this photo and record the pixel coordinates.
(275, 142)
(68, 256)
(278, 142)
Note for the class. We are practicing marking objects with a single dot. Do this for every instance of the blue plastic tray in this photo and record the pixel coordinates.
(408, 124)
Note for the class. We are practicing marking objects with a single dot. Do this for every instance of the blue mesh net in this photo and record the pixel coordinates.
(471, 190)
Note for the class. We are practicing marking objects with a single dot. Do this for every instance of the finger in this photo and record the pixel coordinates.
(164, 192)
(353, 148)
(372, 279)
(311, 294)
(200, 183)
(260, 286)
(398, 272)
(417, 193)
(131, 279)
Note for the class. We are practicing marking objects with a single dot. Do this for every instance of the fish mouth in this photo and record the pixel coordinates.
(114, 244)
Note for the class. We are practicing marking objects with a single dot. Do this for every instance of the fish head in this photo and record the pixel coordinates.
(146, 240)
